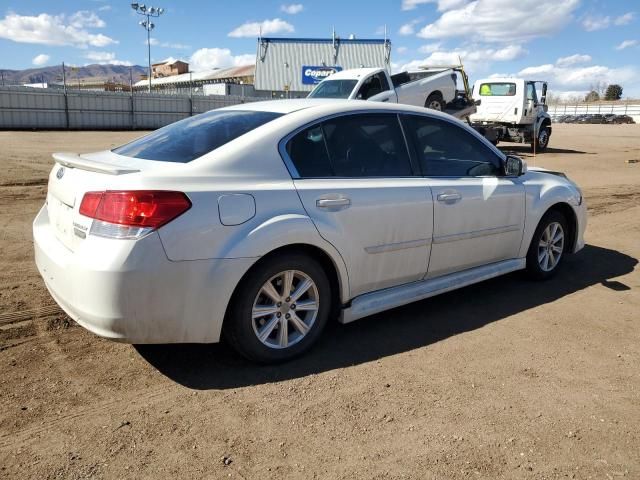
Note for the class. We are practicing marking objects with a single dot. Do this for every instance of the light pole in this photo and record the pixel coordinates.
(148, 11)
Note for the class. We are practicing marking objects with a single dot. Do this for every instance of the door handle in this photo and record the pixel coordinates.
(449, 197)
(333, 203)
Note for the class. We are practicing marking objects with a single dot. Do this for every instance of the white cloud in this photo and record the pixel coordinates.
(624, 19)
(40, 60)
(473, 58)
(402, 50)
(502, 20)
(48, 29)
(156, 43)
(443, 5)
(292, 9)
(104, 8)
(409, 28)
(582, 77)
(84, 18)
(105, 58)
(627, 44)
(573, 60)
(268, 27)
(592, 23)
(430, 47)
(412, 4)
(209, 58)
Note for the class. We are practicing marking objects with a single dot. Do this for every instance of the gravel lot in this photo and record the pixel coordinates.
(506, 379)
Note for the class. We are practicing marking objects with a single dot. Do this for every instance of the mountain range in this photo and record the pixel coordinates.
(87, 73)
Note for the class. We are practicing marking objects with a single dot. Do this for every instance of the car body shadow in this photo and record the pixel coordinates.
(399, 330)
(525, 150)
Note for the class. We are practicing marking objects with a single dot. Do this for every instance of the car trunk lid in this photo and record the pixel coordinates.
(71, 177)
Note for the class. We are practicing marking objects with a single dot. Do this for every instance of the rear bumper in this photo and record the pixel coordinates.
(128, 291)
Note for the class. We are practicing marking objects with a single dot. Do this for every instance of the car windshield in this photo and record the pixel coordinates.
(498, 89)
(193, 137)
(334, 89)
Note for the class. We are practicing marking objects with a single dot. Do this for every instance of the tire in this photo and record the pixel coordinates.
(544, 258)
(278, 332)
(434, 102)
(541, 143)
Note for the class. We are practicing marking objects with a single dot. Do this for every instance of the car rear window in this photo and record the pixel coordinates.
(193, 137)
(498, 89)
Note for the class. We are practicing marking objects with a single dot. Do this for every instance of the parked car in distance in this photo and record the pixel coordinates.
(260, 222)
(619, 119)
(597, 118)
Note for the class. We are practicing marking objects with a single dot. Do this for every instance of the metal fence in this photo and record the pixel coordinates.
(618, 108)
(34, 108)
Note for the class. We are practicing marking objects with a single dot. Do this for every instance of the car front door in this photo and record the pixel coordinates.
(478, 212)
(356, 182)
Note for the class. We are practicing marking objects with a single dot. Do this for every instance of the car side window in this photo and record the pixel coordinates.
(384, 83)
(447, 150)
(367, 145)
(308, 152)
(371, 86)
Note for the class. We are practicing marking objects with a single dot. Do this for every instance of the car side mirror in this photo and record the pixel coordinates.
(477, 103)
(513, 166)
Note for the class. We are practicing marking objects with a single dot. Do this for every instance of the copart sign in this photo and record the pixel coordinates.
(315, 74)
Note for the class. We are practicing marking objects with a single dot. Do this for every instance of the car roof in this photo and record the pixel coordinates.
(354, 73)
(328, 106)
(282, 106)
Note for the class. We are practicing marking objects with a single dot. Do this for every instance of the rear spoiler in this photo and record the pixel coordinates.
(73, 160)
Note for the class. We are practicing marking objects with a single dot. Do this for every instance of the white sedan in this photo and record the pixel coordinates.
(262, 221)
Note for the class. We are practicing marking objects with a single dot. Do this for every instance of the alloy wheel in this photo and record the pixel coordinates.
(551, 246)
(285, 309)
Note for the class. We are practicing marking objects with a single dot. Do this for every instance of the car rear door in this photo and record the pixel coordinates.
(356, 182)
(478, 212)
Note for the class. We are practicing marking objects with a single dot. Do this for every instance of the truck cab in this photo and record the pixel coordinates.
(509, 109)
(429, 88)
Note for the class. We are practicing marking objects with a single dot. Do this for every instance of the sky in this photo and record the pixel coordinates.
(573, 44)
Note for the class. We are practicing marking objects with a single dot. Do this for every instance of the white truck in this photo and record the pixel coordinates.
(508, 109)
(434, 89)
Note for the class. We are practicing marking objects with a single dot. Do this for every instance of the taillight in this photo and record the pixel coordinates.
(131, 214)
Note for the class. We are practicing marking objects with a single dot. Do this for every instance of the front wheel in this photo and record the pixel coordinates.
(279, 309)
(547, 246)
(542, 141)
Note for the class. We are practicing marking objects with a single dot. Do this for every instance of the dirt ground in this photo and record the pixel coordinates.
(506, 379)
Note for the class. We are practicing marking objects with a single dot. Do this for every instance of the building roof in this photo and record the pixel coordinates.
(166, 62)
(322, 40)
(217, 74)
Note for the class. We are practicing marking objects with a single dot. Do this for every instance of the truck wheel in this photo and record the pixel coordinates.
(435, 102)
(540, 144)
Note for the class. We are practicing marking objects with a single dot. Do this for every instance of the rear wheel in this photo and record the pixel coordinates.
(547, 246)
(435, 102)
(279, 309)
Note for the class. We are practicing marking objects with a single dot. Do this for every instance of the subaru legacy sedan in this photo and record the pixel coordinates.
(261, 222)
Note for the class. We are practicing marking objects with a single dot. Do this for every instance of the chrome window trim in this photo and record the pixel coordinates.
(293, 171)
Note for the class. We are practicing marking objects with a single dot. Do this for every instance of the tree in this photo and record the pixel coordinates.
(592, 96)
(614, 92)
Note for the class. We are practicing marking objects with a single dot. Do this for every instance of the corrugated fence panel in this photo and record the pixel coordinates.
(618, 108)
(22, 108)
